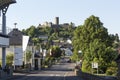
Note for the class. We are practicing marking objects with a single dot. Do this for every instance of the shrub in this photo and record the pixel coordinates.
(86, 66)
(111, 71)
(9, 59)
(112, 68)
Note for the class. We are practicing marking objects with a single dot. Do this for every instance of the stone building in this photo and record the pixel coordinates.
(56, 24)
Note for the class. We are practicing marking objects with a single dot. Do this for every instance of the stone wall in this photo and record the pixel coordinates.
(87, 76)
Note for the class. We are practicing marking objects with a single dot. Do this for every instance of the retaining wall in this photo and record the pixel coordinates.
(87, 76)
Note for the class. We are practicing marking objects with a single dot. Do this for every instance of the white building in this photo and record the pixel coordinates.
(16, 39)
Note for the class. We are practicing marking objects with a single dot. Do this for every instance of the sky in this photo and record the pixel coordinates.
(34, 12)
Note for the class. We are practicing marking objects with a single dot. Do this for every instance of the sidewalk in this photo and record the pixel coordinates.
(17, 75)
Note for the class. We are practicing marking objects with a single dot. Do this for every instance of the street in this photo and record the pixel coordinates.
(61, 71)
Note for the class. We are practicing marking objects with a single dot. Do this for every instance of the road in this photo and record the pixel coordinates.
(62, 71)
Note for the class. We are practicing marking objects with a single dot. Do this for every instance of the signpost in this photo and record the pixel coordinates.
(95, 65)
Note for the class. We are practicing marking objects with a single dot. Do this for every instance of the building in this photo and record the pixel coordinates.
(56, 24)
(57, 20)
(16, 42)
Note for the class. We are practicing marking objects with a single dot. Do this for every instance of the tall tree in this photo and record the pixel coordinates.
(31, 31)
(92, 39)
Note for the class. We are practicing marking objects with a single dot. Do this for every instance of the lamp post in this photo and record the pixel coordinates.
(79, 53)
(4, 4)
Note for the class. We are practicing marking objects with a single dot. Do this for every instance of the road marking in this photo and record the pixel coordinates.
(51, 74)
(55, 75)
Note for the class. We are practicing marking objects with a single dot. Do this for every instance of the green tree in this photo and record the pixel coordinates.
(28, 56)
(93, 40)
(30, 31)
(56, 52)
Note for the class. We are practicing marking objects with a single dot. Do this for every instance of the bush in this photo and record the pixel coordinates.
(9, 59)
(86, 66)
(111, 71)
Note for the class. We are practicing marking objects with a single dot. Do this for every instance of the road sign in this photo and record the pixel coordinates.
(94, 65)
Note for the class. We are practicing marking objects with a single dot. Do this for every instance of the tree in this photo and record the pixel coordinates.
(28, 56)
(93, 40)
(30, 31)
(56, 52)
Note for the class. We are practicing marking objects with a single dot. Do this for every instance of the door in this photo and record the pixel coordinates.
(36, 64)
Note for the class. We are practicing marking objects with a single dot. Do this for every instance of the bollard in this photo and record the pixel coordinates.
(76, 72)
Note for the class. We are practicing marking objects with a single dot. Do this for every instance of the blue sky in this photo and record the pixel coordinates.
(33, 12)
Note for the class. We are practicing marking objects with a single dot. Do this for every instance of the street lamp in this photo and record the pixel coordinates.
(79, 53)
(4, 4)
(80, 62)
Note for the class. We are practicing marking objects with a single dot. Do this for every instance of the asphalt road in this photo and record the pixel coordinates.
(62, 71)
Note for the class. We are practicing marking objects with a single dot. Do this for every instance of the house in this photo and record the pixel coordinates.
(16, 39)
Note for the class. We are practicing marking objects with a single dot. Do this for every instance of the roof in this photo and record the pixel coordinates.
(15, 37)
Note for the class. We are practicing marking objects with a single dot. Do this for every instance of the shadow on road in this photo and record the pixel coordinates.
(56, 72)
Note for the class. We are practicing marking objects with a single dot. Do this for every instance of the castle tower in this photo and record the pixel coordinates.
(57, 20)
